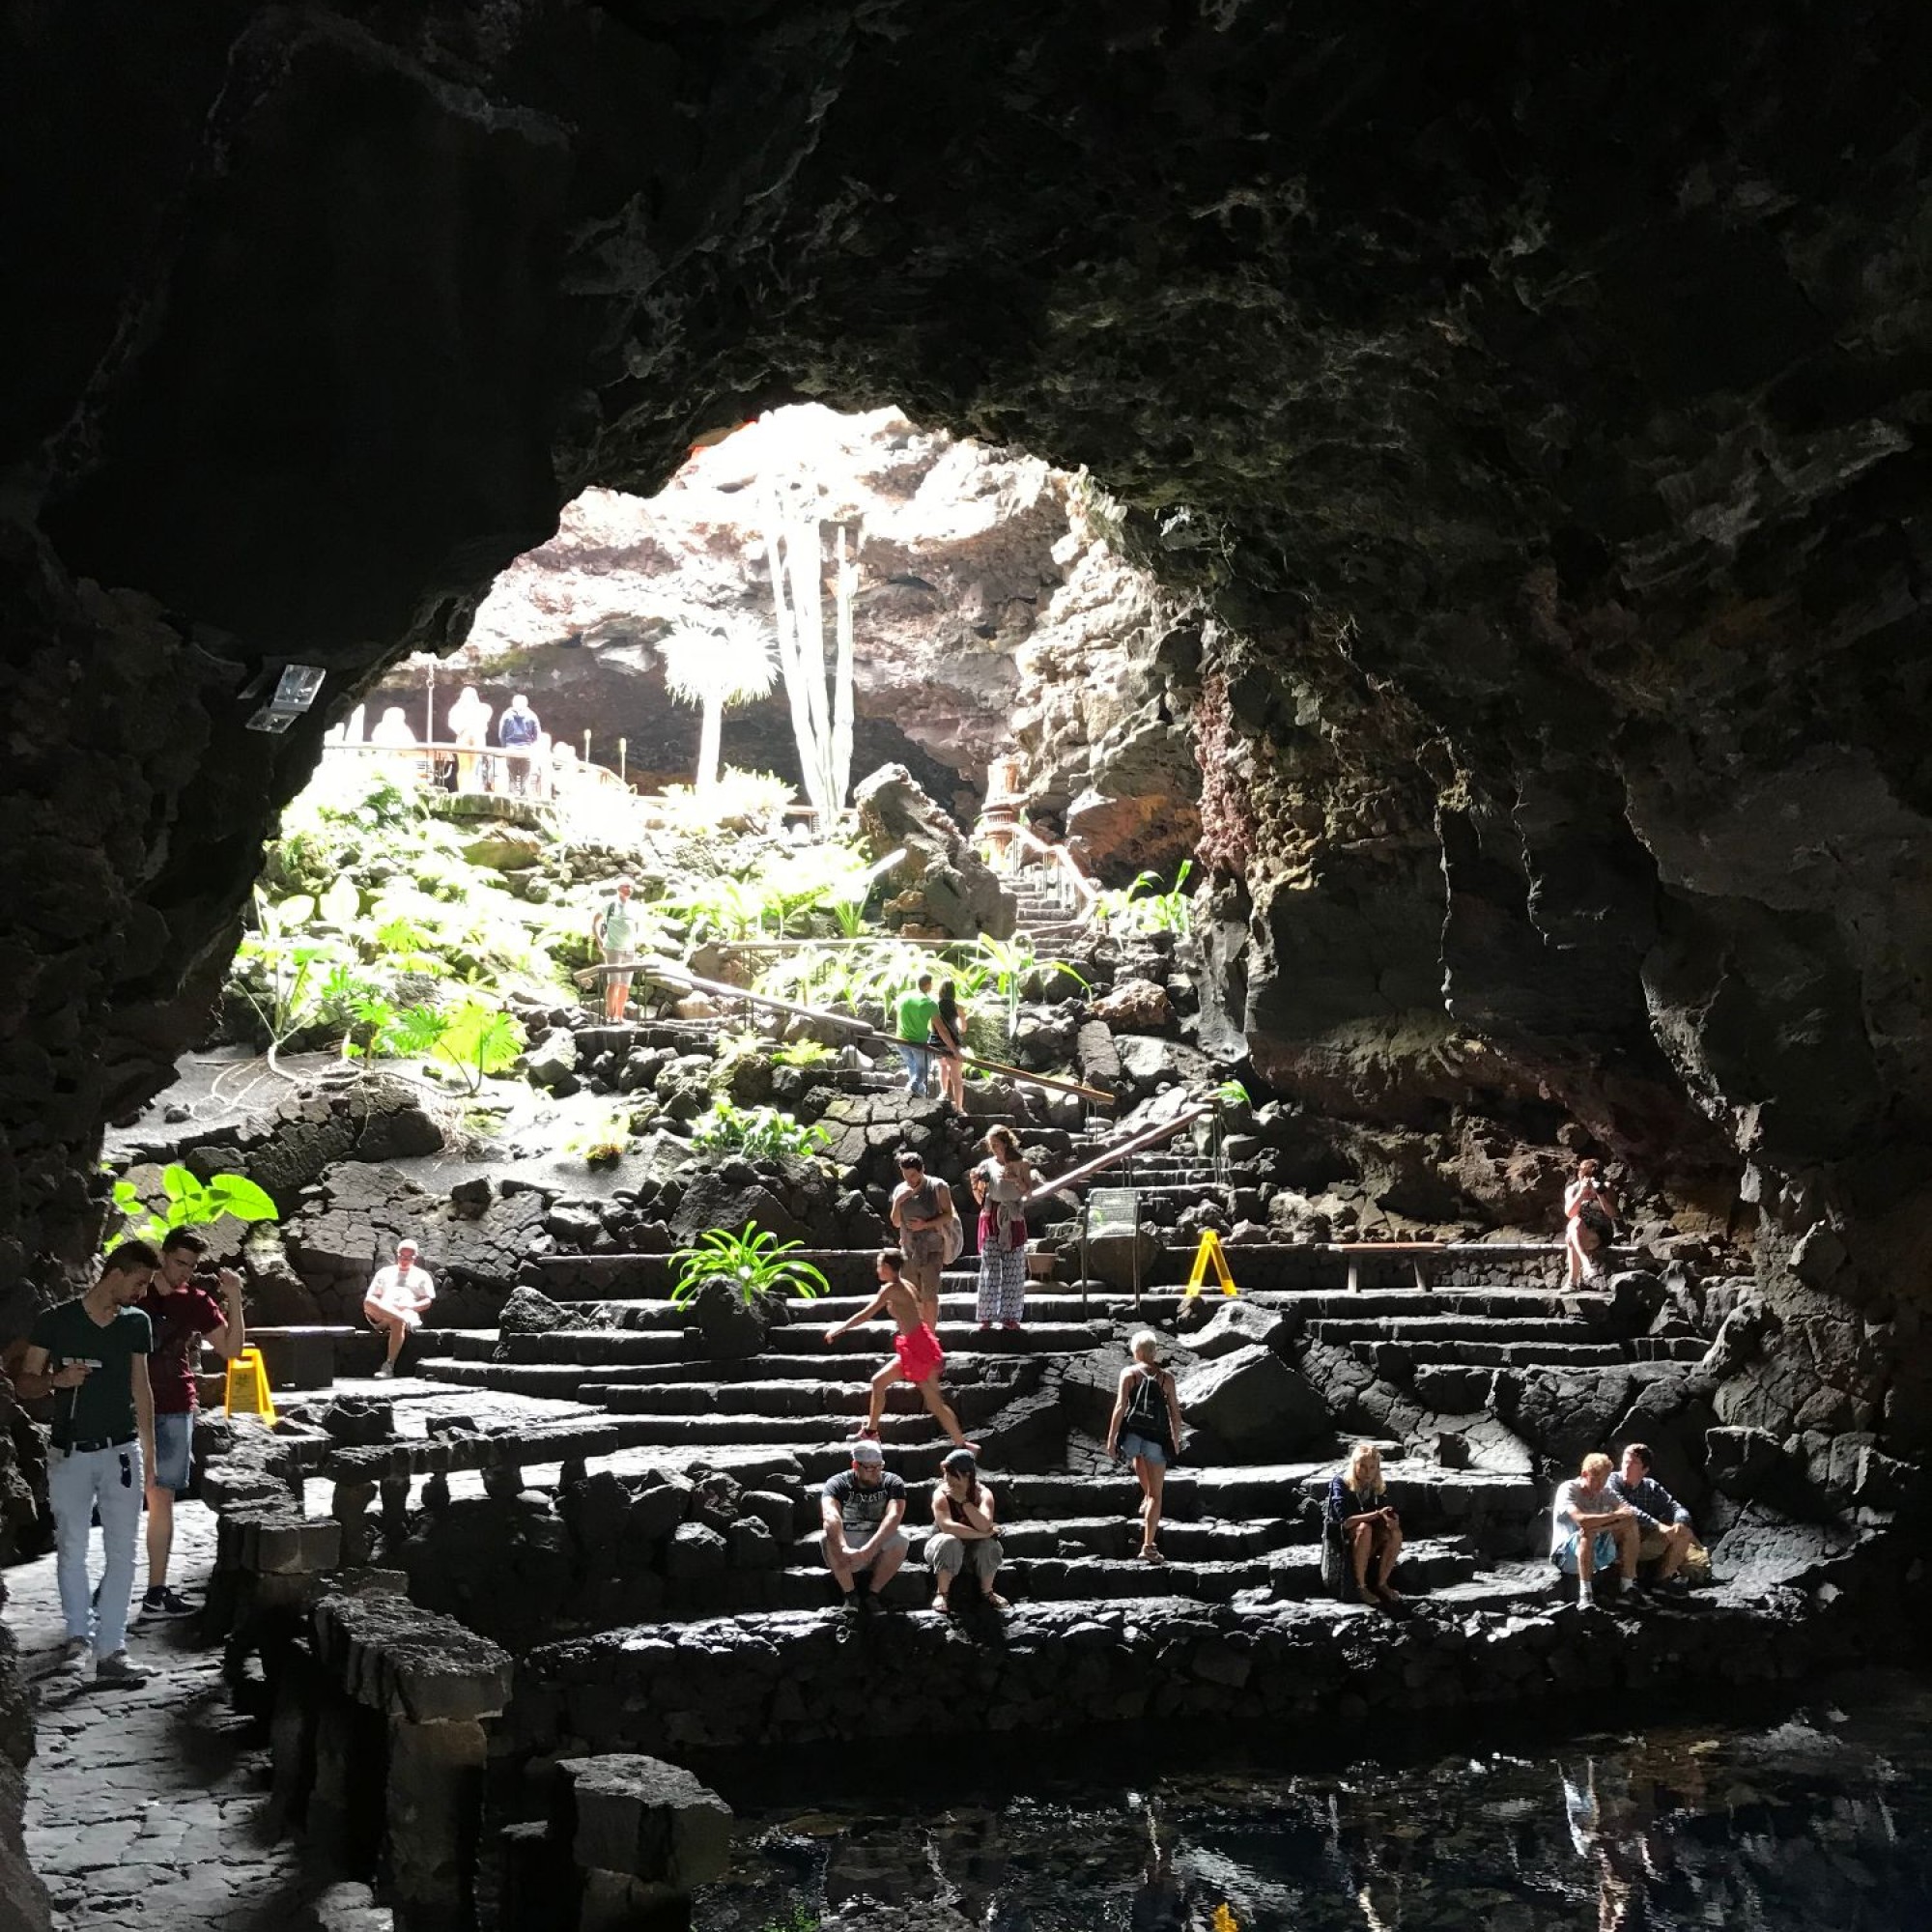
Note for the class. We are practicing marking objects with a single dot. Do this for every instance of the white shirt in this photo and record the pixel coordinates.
(392, 1290)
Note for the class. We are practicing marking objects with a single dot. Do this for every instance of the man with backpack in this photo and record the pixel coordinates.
(518, 731)
(931, 1234)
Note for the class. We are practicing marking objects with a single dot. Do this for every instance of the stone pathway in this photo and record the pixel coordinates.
(145, 1807)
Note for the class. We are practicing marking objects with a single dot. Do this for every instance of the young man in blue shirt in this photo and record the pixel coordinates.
(1665, 1534)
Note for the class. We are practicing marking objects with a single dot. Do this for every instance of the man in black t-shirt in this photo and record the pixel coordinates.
(91, 1355)
(860, 1508)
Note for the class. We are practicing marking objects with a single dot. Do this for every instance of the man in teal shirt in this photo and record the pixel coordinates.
(91, 1357)
(913, 1017)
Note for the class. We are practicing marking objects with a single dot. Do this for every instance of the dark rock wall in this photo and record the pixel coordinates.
(1532, 419)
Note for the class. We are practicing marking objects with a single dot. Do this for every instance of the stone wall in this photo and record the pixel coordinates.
(772, 1681)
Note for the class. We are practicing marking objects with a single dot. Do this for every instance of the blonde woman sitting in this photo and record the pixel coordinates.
(1362, 1527)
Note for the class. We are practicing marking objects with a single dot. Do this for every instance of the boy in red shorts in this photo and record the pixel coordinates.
(917, 1356)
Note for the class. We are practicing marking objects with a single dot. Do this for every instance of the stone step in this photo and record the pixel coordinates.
(828, 1365)
(311, 1355)
(1390, 1356)
(1423, 1329)
(1115, 1537)
(730, 1403)
(915, 1428)
(874, 1338)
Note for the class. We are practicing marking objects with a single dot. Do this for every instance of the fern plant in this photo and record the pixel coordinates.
(762, 1131)
(753, 1261)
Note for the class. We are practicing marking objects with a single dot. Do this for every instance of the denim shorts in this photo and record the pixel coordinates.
(1138, 1448)
(1602, 1549)
(173, 1451)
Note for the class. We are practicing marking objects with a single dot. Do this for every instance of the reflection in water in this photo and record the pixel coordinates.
(1823, 1820)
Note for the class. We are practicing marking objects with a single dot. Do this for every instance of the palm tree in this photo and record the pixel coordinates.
(729, 663)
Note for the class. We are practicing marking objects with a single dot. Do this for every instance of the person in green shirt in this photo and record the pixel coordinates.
(912, 1020)
(614, 932)
(91, 1357)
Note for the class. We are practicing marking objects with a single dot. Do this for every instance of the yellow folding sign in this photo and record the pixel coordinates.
(1208, 1255)
(248, 1388)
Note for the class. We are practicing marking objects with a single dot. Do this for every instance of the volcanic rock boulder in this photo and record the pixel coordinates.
(502, 1566)
(940, 888)
(1250, 1405)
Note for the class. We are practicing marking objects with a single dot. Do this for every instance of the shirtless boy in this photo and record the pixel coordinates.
(917, 1357)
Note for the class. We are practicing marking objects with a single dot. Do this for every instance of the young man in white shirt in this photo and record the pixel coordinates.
(395, 1301)
(1591, 1528)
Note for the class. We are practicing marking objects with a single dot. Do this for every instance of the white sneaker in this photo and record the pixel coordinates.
(118, 1668)
(74, 1651)
(387, 1370)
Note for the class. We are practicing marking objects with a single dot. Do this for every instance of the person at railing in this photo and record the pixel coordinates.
(1362, 1526)
(392, 731)
(1146, 1430)
(470, 732)
(911, 1016)
(518, 731)
(947, 1037)
(613, 930)
(1000, 1184)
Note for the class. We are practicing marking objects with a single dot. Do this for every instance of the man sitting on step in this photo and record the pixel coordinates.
(1665, 1534)
(860, 1508)
(395, 1301)
(1590, 1529)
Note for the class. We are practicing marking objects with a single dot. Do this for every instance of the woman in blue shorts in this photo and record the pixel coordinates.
(1145, 1430)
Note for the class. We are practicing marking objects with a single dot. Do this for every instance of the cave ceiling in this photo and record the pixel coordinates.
(1527, 406)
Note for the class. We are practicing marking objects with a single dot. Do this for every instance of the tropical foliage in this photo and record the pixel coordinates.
(1141, 908)
(753, 1261)
(190, 1201)
(763, 1132)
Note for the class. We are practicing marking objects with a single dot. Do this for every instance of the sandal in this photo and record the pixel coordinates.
(1152, 1555)
(940, 1604)
(1388, 1595)
(997, 1602)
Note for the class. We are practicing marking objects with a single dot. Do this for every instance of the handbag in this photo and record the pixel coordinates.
(951, 1232)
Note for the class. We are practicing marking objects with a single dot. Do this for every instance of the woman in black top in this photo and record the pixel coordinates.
(946, 1036)
(1362, 1524)
(1146, 1429)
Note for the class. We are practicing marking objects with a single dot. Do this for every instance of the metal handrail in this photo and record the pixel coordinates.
(1057, 857)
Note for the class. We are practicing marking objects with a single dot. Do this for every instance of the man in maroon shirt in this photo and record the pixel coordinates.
(183, 1315)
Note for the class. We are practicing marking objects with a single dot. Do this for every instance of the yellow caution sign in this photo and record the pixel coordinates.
(1208, 1255)
(248, 1388)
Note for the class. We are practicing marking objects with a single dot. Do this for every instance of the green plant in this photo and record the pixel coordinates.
(1139, 908)
(794, 1919)
(764, 1131)
(1231, 1093)
(740, 801)
(1009, 962)
(755, 1262)
(191, 1203)
(475, 1038)
(601, 1145)
(801, 1053)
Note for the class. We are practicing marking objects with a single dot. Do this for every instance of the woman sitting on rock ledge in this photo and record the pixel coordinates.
(1362, 1524)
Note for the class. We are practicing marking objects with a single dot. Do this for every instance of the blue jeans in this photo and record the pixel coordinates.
(173, 1451)
(918, 1066)
(110, 1481)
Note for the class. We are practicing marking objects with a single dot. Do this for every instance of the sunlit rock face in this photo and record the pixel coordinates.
(992, 618)
(1525, 427)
